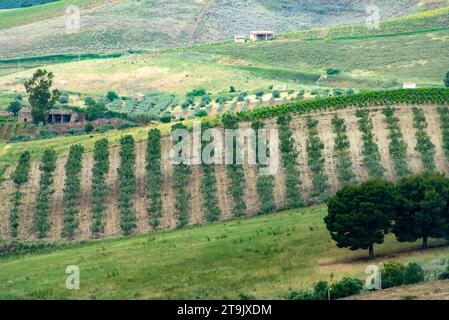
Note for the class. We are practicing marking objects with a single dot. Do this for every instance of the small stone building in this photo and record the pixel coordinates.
(55, 116)
(240, 38)
(409, 85)
(261, 35)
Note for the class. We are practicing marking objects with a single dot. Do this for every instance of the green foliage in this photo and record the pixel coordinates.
(127, 185)
(397, 147)
(424, 144)
(88, 128)
(344, 288)
(315, 149)
(357, 219)
(47, 168)
(111, 96)
(99, 186)
(39, 95)
(209, 183)
(72, 190)
(289, 154)
(197, 92)
(444, 124)
(15, 106)
(235, 171)
(19, 177)
(154, 177)
(265, 183)
(342, 152)
(423, 213)
(370, 151)
(446, 80)
(181, 179)
(396, 274)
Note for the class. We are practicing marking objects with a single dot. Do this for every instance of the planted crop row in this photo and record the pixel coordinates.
(289, 154)
(235, 171)
(265, 183)
(127, 184)
(444, 124)
(342, 152)
(19, 177)
(99, 186)
(370, 150)
(181, 179)
(397, 147)
(154, 177)
(315, 149)
(424, 145)
(47, 168)
(209, 186)
(71, 190)
(373, 98)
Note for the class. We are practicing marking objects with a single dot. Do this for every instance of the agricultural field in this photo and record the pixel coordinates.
(264, 257)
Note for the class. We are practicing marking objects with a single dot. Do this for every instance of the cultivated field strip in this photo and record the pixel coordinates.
(224, 199)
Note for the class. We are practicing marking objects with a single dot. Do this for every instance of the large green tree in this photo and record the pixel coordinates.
(423, 214)
(360, 216)
(41, 97)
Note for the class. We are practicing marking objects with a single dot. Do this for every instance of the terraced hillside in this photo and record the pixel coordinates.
(418, 125)
(150, 24)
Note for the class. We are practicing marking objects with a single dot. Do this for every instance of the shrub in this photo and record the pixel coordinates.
(346, 287)
(413, 274)
(396, 274)
(88, 128)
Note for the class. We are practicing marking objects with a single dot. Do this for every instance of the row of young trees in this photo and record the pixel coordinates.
(397, 147)
(342, 152)
(72, 190)
(416, 207)
(19, 177)
(154, 178)
(424, 144)
(99, 185)
(127, 185)
(47, 167)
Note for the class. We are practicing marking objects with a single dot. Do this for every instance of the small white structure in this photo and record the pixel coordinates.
(283, 87)
(409, 85)
(322, 78)
(139, 97)
(240, 38)
(261, 35)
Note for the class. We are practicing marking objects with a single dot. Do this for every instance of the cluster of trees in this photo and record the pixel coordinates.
(47, 168)
(209, 183)
(444, 124)
(289, 155)
(236, 173)
(154, 177)
(19, 177)
(370, 150)
(342, 152)
(181, 179)
(315, 149)
(416, 207)
(127, 185)
(424, 144)
(99, 186)
(397, 147)
(71, 190)
(265, 183)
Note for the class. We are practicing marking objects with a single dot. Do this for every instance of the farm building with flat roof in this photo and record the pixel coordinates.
(261, 35)
(55, 116)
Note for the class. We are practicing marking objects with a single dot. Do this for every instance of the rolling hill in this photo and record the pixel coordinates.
(150, 24)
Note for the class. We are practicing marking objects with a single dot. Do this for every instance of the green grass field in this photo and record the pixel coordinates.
(262, 257)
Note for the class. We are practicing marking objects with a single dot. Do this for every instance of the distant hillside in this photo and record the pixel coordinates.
(146, 24)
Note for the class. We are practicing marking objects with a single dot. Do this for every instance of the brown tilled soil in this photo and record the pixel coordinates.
(225, 202)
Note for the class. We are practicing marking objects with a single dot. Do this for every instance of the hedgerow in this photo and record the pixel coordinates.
(444, 124)
(315, 149)
(366, 99)
(235, 171)
(71, 190)
(370, 150)
(265, 183)
(209, 185)
(397, 147)
(47, 168)
(181, 179)
(342, 152)
(424, 145)
(99, 186)
(289, 154)
(127, 185)
(154, 177)
(19, 177)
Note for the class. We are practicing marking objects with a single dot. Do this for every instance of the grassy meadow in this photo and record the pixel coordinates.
(262, 257)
